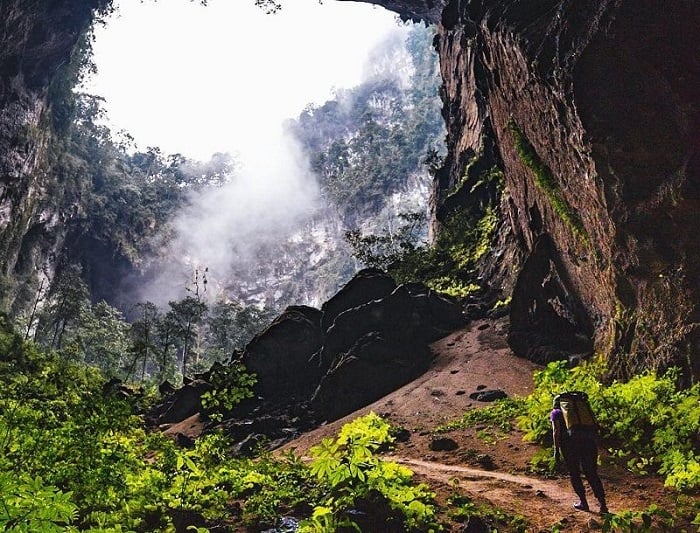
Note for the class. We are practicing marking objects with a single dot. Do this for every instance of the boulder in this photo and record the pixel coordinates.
(185, 402)
(372, 367)
(411, 313)
(367, 285)
(437, 314)
(488, 395)
(392, 316)
(280, 356)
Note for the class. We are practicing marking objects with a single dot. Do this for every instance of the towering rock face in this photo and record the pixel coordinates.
(592, 109)
(36, 39)
(589, 107)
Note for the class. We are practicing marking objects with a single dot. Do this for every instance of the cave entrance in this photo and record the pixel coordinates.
(300, 113)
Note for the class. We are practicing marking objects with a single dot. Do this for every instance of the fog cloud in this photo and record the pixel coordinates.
(224, 229)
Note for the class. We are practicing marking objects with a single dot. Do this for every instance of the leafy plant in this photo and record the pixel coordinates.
(652, 519)
(465, 510)
(353, 473)
(230, 385)
(646, 420)
(28, 504)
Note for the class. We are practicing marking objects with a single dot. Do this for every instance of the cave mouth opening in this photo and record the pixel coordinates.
(227, 78)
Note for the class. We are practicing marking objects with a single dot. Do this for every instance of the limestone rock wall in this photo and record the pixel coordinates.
(593, 109)
(36, 39)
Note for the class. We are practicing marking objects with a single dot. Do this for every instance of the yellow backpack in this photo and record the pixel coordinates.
(576, 410)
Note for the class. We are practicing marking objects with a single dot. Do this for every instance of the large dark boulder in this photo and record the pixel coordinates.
(437, 314)
(367, 285)
(281, 355)
(411, 313)
(373, 366)
(185, 402)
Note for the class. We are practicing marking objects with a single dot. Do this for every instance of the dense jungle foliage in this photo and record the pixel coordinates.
(372, 140)
(75, 456)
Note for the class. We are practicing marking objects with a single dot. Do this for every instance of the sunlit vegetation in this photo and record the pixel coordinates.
(449, 265)
(76, 457)
(648, 422)
(499, 416)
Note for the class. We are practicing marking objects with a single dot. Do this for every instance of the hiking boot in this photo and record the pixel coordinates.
(581, 506)
(603, 507)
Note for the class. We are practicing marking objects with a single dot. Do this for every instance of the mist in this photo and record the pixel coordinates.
(268, 214)
(224, 230)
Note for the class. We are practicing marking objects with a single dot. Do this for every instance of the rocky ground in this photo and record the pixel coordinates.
(491, 471)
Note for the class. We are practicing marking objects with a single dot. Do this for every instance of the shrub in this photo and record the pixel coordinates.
(647, 420)
(353, 474)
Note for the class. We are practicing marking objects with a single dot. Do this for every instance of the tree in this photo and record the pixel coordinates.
(144, 337)
(102, 335)
(230, 326)
(187, 315)
(68, 297)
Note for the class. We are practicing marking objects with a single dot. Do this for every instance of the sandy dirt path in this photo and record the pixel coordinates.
(477, 358)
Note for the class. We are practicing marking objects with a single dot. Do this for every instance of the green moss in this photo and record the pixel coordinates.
(546, 182)
(452, 287)
(485, 228)
(492, 177)
(500, 304)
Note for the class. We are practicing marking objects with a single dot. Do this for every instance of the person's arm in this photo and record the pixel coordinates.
(556, 434)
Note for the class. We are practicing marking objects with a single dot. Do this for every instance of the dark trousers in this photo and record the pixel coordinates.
(581, 455)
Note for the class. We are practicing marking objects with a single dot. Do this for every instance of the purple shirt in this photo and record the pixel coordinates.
(555, 414)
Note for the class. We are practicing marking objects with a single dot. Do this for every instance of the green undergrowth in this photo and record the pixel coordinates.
(354, 476)
(450, 264)
(75, 457)
(546, 182)
(648, 421)
(498, 417)
(648, 424)
(479, 517)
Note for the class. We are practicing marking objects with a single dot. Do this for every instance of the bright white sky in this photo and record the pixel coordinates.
(198, 80)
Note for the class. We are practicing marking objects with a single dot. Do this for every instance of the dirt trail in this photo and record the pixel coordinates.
(468, 360)
(447, 473)
(543, 502)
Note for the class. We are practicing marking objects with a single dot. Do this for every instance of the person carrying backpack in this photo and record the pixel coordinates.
(575, 432)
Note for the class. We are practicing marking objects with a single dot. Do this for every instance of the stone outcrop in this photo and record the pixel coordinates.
(371, 328)
(280, 356)
(36, 39)
(308, 373)
(591, 109)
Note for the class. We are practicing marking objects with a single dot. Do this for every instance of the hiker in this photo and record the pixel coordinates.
(575, 432)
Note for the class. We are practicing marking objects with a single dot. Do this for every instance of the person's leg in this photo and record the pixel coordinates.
(572, 457)
(589, 464)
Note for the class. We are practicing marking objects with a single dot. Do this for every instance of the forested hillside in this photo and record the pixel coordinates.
(113, 214)
(368, 149)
